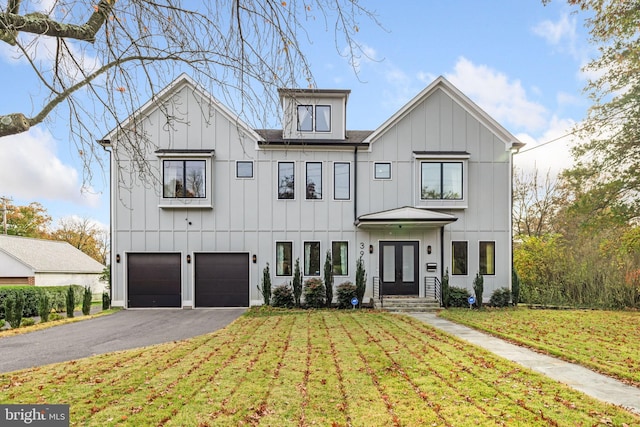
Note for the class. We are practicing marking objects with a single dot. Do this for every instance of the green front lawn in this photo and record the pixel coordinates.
(606, 341)
(330, 368)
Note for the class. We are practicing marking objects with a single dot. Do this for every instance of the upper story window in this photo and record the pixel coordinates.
(244, 169)
(184, 179)
(314, 181)
(341, 181)
(382, 170)
(286, 180)
(314, 118)
(441, 180)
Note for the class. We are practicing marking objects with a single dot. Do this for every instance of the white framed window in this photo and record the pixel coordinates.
(342, 181)
(313, 189)
(487, 258)
(340, 258)
(459, 258)
(382, 170)
(286, 180)
(244, 169)
(284, 258)
(312, 264)
(186, 178)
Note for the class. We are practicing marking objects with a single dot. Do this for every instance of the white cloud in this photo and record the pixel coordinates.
(31, 169)
(551, 151)
(556, 33)
(504, 99)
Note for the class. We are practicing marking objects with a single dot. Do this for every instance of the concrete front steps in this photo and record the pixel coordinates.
(407, 304)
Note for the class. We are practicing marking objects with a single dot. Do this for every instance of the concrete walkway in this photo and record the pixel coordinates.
(580, 378)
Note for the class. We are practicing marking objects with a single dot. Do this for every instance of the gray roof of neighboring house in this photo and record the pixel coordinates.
(46, 256)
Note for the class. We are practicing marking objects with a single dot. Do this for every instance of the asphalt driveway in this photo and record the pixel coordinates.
(123, 330)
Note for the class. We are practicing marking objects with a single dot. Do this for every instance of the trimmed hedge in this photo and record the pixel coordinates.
(31, 295)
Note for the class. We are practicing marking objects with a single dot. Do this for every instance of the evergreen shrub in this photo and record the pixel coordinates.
(314, 293)
(345, 293)
(282, 296)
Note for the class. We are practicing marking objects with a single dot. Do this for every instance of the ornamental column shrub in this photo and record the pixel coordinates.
(445, 290)
(70, 302)
(515, 286)
(86, 301)
(478, 288)
(13, 306)
(106, 301)
(44, 307)
(361, 280)
(297, 283)
(265, 290)
(328, 278)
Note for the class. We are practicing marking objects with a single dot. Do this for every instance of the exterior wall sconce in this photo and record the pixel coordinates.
(254, 258)
(188, 259)
(370, 249)
(429, 249)
(118, 258)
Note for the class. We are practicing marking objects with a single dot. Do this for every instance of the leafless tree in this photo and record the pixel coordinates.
(534, 202)
(98, 61)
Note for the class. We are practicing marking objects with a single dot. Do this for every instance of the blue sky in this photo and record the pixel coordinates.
(518, 60)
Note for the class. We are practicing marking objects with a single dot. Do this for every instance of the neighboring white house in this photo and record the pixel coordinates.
(427, 191)
(27, 261)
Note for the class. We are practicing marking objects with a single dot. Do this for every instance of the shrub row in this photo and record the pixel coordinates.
(33, 296)
(315, 294)
(459, 297)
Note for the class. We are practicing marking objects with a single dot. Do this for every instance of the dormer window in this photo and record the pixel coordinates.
(314, 118)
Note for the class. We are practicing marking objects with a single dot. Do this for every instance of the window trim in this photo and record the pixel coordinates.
(453, 273)
(375, 171)
(310, 108)
(334, 182)
(442, 179)
(493, 244)
(277, 271)
(304, 259)
(306, 180)
(252, 169)
(315, 121)
(278, 181)
(205, 202)
(345, 263)
(441, 157)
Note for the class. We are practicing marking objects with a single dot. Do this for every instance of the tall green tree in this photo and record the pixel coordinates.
(609, 162)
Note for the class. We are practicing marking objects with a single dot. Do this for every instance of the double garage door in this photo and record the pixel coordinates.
(220, 280)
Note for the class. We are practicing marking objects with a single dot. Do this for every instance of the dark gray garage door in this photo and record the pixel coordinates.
(153, 280)
(222, 280)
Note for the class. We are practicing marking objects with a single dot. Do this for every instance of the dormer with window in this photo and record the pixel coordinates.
(314, 114)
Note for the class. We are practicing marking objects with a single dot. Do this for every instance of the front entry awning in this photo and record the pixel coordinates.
(406, 216)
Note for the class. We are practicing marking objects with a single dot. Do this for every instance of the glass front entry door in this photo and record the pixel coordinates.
(399, 268)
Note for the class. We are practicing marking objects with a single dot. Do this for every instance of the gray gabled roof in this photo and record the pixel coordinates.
(48, 256)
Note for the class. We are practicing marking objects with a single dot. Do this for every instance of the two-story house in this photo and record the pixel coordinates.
(426, 192)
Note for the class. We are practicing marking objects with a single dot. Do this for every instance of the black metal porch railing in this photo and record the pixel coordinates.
(433, 288)
(377, 290)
